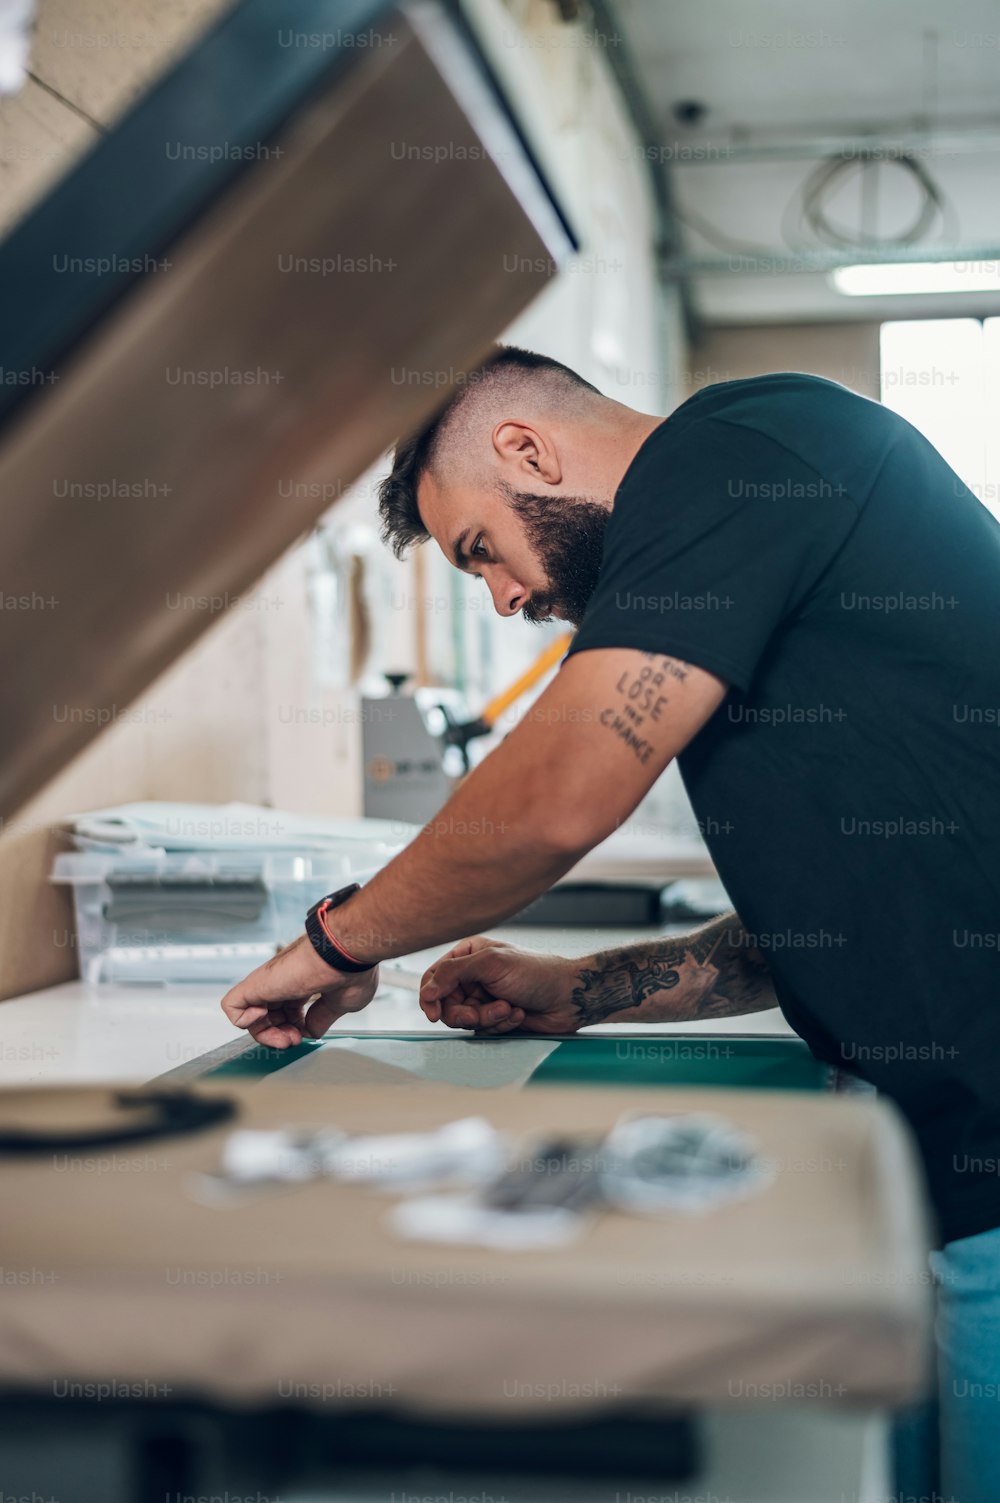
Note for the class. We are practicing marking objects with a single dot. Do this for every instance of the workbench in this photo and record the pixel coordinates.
(763, 1452)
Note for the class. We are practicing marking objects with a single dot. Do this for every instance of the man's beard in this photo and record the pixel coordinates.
(566, 534)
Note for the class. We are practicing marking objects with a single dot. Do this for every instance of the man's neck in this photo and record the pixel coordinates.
(636, 427)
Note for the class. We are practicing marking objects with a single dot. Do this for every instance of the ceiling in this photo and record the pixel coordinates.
(777, 89)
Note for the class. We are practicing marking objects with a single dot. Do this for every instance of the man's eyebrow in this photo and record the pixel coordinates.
(461, 558)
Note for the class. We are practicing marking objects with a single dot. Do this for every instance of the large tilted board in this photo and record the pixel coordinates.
(352, 270)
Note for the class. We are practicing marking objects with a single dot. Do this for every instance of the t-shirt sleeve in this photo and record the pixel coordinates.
(718, 537)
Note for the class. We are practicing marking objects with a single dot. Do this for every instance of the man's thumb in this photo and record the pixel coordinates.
(460, 970)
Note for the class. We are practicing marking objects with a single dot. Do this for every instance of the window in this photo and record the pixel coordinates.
(943, 376)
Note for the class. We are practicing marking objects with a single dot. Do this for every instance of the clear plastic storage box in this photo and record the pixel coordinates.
(158, 919)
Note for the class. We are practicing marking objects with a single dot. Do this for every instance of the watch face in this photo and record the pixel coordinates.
(342, 894)
(334, 899)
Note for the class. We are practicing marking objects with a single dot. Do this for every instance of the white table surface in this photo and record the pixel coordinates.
(79, 1033)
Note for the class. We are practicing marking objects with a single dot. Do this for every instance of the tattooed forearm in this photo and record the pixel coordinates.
(712, 973)
(640, 699)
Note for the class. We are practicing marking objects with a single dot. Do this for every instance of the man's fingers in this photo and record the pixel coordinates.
(240, 1010)
(321, 1015)
(430, 1010)
(246, 1017)
(290, 1022)
(463, 951)
(467, 972)
(468, 992)
(242, 1007)
(275, 1032)
(462, 948)
(460, 1012)
(496, 1011)
(506, 1025)
(429, 989)
(295, 1012)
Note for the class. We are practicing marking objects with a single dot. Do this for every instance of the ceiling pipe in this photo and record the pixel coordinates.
(691, 152)
(608, 22)
(785, 263)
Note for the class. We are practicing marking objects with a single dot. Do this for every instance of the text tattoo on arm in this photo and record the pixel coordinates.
(640, 697)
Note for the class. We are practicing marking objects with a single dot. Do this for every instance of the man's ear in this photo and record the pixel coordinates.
(528, 450)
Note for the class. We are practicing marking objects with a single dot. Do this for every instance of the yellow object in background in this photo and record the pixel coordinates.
(528, 679)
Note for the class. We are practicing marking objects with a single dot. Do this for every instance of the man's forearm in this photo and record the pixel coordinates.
(483, 857)
(569, 773)
(713, 972)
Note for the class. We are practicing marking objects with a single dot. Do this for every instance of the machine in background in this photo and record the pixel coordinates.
(414, 747)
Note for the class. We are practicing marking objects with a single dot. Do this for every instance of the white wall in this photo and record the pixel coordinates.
(845, 352)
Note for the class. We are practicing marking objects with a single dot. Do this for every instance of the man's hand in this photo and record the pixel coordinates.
(714, 972)
(495, 988)
(296, 995)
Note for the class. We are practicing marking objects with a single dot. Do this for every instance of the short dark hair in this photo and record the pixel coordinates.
(402, 524)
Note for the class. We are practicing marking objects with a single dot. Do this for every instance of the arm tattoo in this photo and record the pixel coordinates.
(713, 973)
(640, 698)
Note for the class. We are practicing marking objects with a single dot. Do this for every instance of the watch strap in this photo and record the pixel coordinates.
(324, 942)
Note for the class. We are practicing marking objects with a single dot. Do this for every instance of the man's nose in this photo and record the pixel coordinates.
(508, 597)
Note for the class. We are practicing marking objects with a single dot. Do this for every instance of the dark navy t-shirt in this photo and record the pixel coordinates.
(813, 550)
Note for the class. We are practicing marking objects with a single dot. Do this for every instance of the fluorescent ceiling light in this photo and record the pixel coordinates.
(16, 17)
(917, 277)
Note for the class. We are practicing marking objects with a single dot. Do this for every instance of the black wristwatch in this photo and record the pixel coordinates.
(323, 942)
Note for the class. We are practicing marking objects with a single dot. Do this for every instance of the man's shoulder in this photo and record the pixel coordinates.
(772, 406)
(763, 422)
(782, 393)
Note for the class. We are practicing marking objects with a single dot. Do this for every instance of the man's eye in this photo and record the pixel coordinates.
(478, 550)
